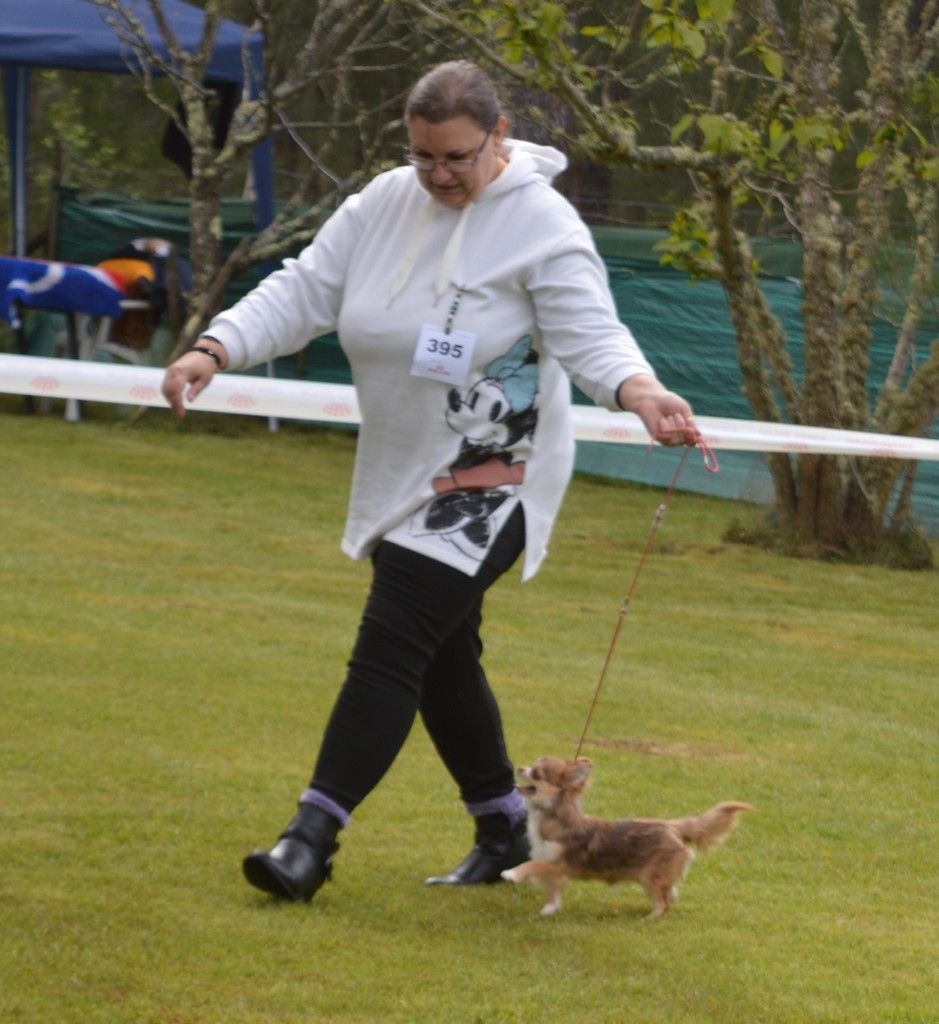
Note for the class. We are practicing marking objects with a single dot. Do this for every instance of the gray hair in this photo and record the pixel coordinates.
(454, 89)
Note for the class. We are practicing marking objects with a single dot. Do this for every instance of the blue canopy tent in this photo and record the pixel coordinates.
(75, 34)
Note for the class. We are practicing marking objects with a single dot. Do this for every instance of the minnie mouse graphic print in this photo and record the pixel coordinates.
(495, 419)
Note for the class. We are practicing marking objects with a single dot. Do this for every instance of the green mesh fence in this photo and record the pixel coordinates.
(684, 327)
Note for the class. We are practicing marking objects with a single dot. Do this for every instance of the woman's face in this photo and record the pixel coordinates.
(459, 138)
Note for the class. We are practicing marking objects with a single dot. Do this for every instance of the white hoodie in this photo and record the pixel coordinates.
(443, 458)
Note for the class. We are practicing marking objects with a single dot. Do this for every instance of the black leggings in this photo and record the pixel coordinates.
(418, 649)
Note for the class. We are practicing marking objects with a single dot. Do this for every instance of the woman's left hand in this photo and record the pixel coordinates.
(667, 417)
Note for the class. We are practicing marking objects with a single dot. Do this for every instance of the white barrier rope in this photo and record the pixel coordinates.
(337, 403)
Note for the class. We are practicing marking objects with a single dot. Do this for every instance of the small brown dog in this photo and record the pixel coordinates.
(566, 843)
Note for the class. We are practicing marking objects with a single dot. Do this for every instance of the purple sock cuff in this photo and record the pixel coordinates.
(512, 805)
(327, 804)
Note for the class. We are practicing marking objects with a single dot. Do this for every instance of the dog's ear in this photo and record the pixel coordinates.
(579, 771)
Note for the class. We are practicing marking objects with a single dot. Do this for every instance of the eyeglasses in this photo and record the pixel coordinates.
(462, 166)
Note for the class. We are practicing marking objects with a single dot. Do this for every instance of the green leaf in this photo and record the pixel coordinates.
(865, 158)
(818, 133)
(929, 169)
(723, 10)
(899, 166)
(779, 138)
(888, 133)
(656, 30)
(717, 11)
(917, 134)
(712, 128)
(692, 39)
(682, 126)
(926, 94)
(772, 61)
(603, 33)
(670, 29)
(720, 134)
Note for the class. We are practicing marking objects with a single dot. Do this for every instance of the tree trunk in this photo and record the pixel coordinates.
(818, 518)
(753, 320)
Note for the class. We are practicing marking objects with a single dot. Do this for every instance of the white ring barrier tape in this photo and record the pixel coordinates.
(594, 424)
(337, 403)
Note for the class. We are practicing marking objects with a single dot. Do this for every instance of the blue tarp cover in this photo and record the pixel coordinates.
(76, 34)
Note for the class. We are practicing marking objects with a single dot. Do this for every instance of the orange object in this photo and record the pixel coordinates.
(134, 327)
(129, 272)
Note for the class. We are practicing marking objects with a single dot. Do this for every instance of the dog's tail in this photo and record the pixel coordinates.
(712, 827)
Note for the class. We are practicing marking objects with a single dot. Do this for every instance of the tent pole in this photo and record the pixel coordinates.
(262, 169)
(16, 85)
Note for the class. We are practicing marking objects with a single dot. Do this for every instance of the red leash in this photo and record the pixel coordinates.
(712, 466)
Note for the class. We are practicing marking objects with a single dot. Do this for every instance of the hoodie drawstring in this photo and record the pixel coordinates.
(409, 257)
(450, 255)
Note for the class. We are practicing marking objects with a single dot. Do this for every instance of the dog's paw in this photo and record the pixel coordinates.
(550, 908)
(510, 875)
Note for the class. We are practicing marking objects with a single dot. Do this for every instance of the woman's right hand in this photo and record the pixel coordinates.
(190, 375)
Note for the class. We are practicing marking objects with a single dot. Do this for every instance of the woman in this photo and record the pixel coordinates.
(465, 290)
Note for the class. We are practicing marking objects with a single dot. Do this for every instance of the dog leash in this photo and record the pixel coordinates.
(712, 466)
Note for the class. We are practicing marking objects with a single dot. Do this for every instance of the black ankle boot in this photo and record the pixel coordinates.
(499, 846)
(301, 859)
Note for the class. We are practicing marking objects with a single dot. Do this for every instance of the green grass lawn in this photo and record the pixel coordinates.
(175, 617)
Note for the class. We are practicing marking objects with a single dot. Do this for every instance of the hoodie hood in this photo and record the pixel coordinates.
(527, 163)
